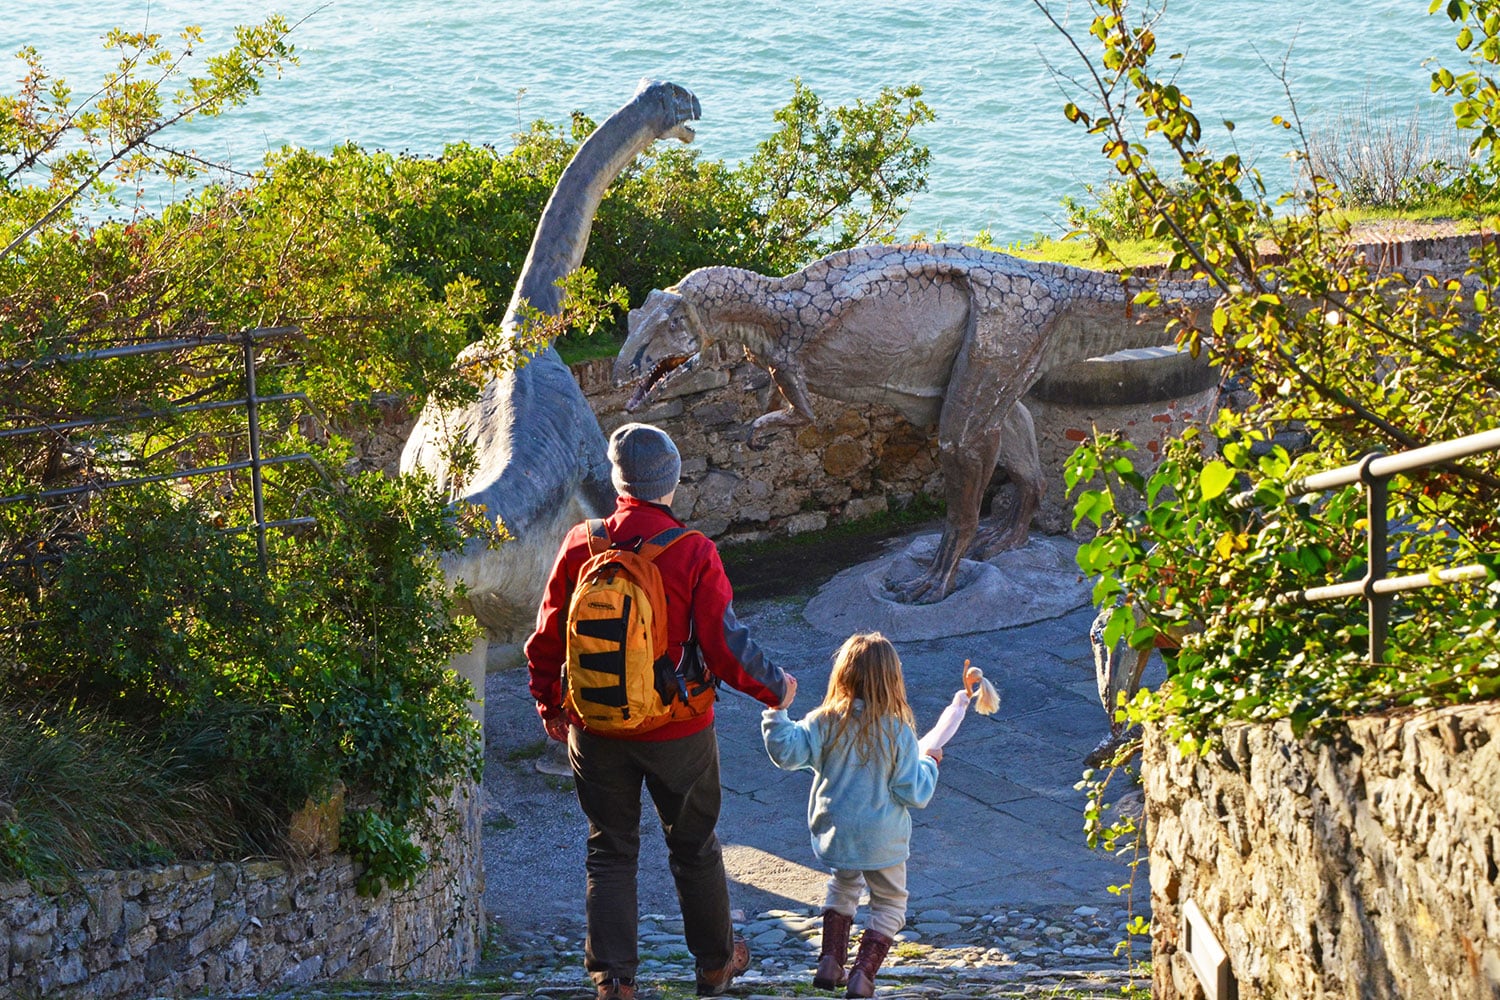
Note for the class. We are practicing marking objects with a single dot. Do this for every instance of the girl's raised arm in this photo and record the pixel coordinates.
(914, 777)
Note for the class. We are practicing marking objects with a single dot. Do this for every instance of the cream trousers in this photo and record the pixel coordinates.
(887, 896)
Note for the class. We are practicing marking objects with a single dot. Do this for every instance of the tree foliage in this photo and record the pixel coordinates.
(258, 682)
(825, 179)
(1360, 356)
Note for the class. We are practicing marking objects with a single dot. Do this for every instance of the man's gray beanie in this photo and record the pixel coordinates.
(644, 461)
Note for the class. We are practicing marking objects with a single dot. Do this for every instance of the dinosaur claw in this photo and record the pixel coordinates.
(925, 589)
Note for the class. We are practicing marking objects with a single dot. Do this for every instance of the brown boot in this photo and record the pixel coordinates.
(714, 983)
(830, 975)
(872, 948)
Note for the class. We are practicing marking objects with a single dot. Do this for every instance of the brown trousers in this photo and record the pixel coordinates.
(682, 777)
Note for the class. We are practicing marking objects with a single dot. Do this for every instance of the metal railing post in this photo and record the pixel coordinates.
(1377, 499)
(252, 411)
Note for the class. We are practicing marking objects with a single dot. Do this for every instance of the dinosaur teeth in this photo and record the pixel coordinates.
(663, 368)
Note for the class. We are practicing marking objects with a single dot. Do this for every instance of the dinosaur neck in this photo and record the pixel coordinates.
(737, 306)
(562, 235)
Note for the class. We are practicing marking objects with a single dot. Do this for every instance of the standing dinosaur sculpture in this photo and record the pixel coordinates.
(541, 463)
(946, 334)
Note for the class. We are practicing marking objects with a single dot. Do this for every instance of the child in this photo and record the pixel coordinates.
(868, 772)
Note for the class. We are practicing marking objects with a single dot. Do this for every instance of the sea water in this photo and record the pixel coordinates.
(413, 75)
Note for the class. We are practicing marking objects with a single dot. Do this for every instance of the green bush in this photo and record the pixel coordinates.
(825, 179)
(329, 666)
(250, 687)
(1359, 358)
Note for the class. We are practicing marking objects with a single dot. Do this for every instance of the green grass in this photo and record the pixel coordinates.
(499, 824)
(921, 510)
(1446, 211)
(1082, 252)
(530, 751)
(579, 347)
(79, 791)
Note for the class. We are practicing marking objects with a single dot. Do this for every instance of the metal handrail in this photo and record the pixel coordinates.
(1374, 471)
(246, 340)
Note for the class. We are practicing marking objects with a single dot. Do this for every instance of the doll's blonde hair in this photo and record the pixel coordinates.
(866, 668)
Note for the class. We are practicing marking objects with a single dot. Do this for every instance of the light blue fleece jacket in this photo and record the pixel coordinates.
(857, 812)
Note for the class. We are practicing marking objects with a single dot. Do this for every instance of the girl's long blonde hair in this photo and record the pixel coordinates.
(866, 668)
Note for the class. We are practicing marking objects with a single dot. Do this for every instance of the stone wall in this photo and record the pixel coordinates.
(856, 461)
(1366, 865)
(859, 460)
(212, 928)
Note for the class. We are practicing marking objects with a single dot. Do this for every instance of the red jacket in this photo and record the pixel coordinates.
(698, 594)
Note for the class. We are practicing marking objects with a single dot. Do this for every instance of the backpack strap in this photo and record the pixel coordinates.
(658, 543)
(599, 539)
(598, 535)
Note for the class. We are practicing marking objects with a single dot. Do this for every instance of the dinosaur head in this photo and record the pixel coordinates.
(675, 108)
(664, 341)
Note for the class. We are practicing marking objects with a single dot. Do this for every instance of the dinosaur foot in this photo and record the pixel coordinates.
(990, 542)
(926, 589)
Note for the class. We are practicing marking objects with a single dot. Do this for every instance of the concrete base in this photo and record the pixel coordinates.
(1033, 583)
(471, 667)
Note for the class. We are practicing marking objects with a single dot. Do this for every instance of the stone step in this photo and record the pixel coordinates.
(911, 983)
(940, 954)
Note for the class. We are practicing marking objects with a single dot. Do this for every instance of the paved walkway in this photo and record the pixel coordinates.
(1004, 890)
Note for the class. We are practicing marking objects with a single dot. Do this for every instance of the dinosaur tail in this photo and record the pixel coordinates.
(1102, 317)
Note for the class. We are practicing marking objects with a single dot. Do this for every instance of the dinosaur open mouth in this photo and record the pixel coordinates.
(654, 378)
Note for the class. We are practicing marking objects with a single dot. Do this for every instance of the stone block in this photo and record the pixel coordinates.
(844, 458)
(164, 959)
(659, 413)
(718, 412)
(313, 831)
(156, 879)
(106, 912)
(269, 962)
(196, 915)
(803, 523)
(140, 942)
(698, 381)
(862, 507)
(26, 947)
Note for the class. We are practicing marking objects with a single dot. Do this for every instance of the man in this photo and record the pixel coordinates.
(679, 761)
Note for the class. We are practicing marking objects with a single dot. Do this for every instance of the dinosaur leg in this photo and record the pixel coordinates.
(966, 473)
(792, 384)
(993, 368)
(1022, 463)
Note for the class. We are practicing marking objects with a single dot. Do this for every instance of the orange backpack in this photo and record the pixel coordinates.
(618, 678)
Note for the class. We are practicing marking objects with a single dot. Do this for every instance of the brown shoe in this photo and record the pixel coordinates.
(616, 989)
(830, 974)
(713, 984)
(872, 949)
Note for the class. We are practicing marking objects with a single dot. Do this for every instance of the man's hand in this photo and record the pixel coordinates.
(557, 728)
(936, 753)
(791, 690)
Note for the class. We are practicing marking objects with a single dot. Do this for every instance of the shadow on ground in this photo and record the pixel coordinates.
(1005, 829)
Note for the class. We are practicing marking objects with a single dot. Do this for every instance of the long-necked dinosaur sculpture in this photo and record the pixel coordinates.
(946, 334)
(541, 463)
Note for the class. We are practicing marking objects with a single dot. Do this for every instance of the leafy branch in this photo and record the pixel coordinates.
(127, 113)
